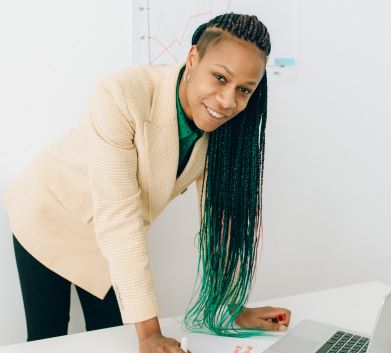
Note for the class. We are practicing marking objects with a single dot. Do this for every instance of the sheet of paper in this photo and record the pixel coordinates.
(201, 343)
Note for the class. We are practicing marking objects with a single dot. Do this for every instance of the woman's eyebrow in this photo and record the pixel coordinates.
(254, 83)
(226, 69)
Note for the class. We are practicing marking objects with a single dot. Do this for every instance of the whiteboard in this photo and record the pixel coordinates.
(162, 30)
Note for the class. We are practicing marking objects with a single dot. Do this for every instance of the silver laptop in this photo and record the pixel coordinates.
(314, 337)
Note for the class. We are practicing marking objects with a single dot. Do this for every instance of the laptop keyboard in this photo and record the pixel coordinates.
(343, 342)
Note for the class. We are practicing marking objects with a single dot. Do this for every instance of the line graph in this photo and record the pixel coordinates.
(179, 41)
(162, 30)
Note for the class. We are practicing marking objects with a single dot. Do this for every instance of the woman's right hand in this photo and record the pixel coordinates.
(157, 343)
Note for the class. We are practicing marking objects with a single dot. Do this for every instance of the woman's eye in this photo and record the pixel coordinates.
(244, 90)
(220, 78)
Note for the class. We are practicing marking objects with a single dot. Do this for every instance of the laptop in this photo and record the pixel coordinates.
(315, 337)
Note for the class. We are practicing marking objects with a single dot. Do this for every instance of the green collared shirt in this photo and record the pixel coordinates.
(189, 133)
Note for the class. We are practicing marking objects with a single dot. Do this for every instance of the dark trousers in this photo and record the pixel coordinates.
(46, 299)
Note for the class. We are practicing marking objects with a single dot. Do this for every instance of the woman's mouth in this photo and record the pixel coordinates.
(214, 114)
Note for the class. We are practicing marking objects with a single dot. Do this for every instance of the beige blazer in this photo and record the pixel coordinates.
(83, 208)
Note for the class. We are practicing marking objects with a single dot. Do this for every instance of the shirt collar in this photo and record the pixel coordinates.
(187, 127)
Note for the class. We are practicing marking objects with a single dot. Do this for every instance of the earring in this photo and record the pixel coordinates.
(187, 77)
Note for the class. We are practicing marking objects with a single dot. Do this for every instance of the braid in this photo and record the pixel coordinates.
(231, 218)
(246, 27)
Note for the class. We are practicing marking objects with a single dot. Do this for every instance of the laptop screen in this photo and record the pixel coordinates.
(381, 336)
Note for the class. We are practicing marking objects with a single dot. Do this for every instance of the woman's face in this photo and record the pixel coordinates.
(220, 84)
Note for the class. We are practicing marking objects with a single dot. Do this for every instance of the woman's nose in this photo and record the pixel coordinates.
(227, 98)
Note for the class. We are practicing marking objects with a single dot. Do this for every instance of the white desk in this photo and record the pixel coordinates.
(354, 307)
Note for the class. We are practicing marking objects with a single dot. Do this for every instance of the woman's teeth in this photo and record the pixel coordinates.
(214, 114)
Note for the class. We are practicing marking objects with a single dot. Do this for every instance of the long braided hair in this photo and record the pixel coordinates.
(231, 197)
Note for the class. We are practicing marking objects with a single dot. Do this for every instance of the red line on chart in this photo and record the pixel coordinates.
(166, 49)
(188, 21)
(176, 40)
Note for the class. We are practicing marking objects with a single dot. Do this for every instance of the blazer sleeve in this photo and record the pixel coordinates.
(117, 207)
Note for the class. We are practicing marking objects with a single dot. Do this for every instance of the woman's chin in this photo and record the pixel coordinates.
(205, 127)
(205, 124)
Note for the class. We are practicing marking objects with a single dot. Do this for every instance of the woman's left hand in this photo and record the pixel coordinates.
(265, 318)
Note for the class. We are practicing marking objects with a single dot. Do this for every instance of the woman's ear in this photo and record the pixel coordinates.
(192, 58)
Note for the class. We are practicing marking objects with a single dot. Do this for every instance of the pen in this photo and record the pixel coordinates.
(184, 344)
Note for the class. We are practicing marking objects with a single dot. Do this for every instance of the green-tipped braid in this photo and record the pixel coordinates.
(231, 202)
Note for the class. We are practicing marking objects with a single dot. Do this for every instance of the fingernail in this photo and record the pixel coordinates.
(282, 328)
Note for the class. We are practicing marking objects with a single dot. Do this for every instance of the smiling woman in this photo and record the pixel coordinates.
(81, 211)
(220, 85)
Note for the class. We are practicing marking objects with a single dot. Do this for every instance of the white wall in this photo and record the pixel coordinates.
(51, 55)
(327, 179)
(328, 172)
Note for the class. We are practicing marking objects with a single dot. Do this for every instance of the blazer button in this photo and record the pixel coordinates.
(146, 222)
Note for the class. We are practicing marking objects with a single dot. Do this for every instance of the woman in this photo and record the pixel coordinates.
(81, 212)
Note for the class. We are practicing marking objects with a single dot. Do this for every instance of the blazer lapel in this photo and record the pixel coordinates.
(162, 150)
(162, 140)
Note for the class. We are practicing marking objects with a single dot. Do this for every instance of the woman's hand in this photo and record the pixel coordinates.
(265, 318)
(157, 343)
